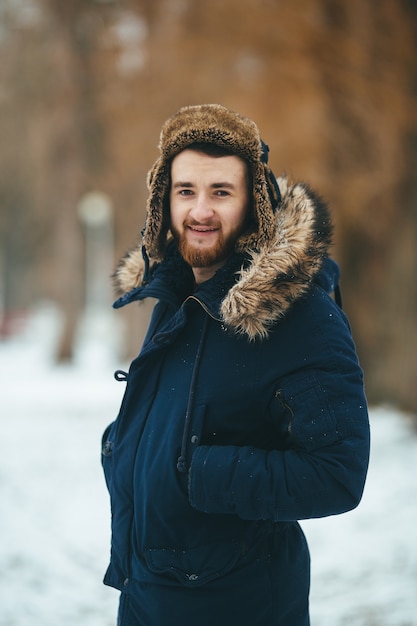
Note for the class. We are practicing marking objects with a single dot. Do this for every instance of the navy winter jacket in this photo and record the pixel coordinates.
(224, 441)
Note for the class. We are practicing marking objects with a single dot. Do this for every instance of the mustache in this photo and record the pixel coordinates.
(208, 223)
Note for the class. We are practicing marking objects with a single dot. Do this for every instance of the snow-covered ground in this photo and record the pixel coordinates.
(54, 521)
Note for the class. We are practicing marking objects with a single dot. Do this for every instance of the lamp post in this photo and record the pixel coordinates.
(98, 337)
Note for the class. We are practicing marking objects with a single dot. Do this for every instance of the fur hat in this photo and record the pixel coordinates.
(214, 124)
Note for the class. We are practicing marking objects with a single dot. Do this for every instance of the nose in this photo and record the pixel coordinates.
(202, 210)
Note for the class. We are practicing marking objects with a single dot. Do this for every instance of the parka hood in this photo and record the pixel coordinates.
(273, 276)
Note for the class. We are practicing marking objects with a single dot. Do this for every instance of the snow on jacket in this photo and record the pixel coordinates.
(243, 413)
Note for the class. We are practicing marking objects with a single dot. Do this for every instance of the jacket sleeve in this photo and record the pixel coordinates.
(320, 472)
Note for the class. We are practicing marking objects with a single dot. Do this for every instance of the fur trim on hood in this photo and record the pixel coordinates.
(278, 273)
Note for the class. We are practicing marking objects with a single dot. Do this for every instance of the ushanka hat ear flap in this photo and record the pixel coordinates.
(211, 123)
(157, 210)
(266, 199)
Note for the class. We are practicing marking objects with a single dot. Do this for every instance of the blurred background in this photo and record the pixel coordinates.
(85, 86)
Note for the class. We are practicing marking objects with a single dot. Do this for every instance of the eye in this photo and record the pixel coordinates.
(185, 192)
(221, 192)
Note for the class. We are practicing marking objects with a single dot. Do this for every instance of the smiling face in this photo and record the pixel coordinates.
(209, 206)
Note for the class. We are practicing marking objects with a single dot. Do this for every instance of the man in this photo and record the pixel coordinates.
(245, 410)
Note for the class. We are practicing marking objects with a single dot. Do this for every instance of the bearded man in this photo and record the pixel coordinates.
(245, 410)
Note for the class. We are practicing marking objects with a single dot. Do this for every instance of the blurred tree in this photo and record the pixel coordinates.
(74, 150)
(17, 227)
(367, 62)
(56, 147)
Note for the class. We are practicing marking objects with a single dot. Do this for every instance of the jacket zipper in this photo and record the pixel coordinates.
(204, 307)
(182, 459)
(286, 406)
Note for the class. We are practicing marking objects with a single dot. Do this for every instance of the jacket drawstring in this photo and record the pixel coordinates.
(121, 376)
(146, 271)
(338, 296)
(182, 459)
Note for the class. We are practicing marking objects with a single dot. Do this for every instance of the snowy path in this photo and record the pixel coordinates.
(54, 525)
(364, 563)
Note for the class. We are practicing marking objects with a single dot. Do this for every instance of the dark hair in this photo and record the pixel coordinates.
(211, 149)
(215, 151)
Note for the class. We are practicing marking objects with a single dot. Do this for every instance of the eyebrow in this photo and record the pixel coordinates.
(219, 185)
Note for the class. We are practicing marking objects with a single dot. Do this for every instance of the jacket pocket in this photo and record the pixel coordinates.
(194, 567)
(311, 423)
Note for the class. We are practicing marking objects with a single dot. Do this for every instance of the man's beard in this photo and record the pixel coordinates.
(200, 257)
